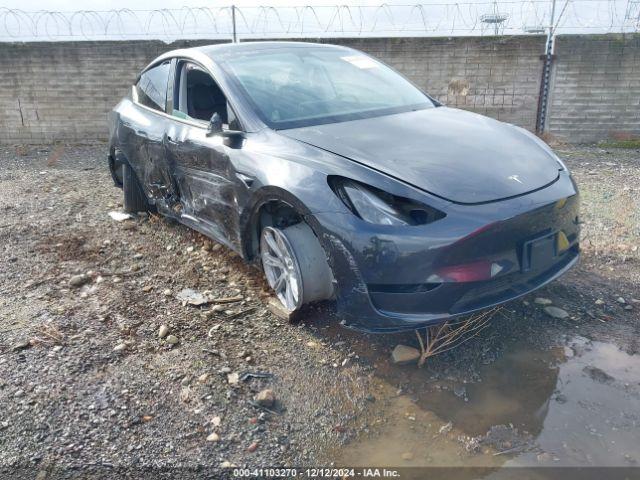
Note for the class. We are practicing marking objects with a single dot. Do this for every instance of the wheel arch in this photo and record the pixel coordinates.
(270, 201)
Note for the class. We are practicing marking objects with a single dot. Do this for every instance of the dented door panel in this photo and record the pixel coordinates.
(205, 177)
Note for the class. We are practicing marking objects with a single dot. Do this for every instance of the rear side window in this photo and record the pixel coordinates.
(152, 87)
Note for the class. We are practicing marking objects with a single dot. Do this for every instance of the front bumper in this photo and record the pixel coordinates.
(385, 274)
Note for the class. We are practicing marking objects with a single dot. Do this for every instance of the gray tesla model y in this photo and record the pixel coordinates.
(345, 181)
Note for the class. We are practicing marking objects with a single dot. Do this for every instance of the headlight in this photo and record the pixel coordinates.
(381, 208)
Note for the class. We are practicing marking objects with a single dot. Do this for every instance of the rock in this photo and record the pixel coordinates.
(599, 302)
(21, 345)
(163, 331)
(253, 447)
(192, 297)
(120, 347)
(233, 378)
(542, 301)
(79, 280)
(172, 340)
(621, 300)
(227, 464)
(213, 437)
(556, 312)
(445, 428)
(403, 354)
(543, 457)
(216, 421)
(203, 378)
(265, 398)
(597, 374)
(166, 292)
(407, 456)
(560, 398)
(628, 307)
(147, 288)
(120, 216)
(275, 307)
(19, 393)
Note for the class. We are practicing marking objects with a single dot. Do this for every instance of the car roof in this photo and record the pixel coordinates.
(220, 51)
(224, 48)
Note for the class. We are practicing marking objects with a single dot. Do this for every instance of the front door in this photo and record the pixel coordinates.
(202, 164)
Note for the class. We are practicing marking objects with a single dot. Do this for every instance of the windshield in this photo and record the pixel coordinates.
(295, 87)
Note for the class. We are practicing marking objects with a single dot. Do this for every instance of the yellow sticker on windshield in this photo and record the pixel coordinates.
(360, 61)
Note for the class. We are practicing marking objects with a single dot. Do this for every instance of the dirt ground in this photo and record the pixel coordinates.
(87, 386)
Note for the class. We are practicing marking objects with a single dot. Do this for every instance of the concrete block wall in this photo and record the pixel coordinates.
(595, 91)
(62, 91)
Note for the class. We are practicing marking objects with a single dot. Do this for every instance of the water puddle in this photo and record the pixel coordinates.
(576, 404)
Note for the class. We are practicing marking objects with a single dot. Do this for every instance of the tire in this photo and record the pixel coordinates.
(134, 198)
(295, 265)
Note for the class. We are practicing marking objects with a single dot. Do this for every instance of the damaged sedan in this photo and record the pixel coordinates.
(344, 181)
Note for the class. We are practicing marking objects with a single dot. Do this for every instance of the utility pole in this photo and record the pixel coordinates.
(543, 102)
(233, 22)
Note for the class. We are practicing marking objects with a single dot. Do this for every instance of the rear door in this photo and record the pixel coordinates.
(202, 164)
(149, 162)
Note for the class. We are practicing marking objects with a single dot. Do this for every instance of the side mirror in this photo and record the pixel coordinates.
(215, 125)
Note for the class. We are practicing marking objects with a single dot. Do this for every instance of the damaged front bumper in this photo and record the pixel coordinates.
(402, 278)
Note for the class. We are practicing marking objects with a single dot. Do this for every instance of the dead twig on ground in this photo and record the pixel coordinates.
(49, 334)
(241, 313)
(238, 298)
(441, 338)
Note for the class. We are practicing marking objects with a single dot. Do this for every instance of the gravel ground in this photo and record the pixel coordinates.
(87, 384)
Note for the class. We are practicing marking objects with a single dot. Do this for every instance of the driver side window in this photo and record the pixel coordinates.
(197, 97)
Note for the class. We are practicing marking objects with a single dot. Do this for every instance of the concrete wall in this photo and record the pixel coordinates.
(62, 91)
(595, 88)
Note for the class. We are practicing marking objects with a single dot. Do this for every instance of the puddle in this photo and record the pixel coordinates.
(577, 404)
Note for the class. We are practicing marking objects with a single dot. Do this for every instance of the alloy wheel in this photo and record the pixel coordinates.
(281, 267)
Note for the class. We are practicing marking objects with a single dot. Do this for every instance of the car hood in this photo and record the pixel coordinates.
(457, 155)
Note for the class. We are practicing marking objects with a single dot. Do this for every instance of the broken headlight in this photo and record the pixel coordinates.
(381, 208)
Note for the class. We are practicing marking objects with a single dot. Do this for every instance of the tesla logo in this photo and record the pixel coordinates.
(514, 178)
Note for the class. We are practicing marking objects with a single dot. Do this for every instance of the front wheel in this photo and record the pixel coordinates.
(295, 265)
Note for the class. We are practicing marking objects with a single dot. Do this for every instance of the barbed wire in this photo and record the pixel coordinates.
(506, 17)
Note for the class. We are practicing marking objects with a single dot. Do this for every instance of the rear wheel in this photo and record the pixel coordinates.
(295, 265)
(134, 198)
